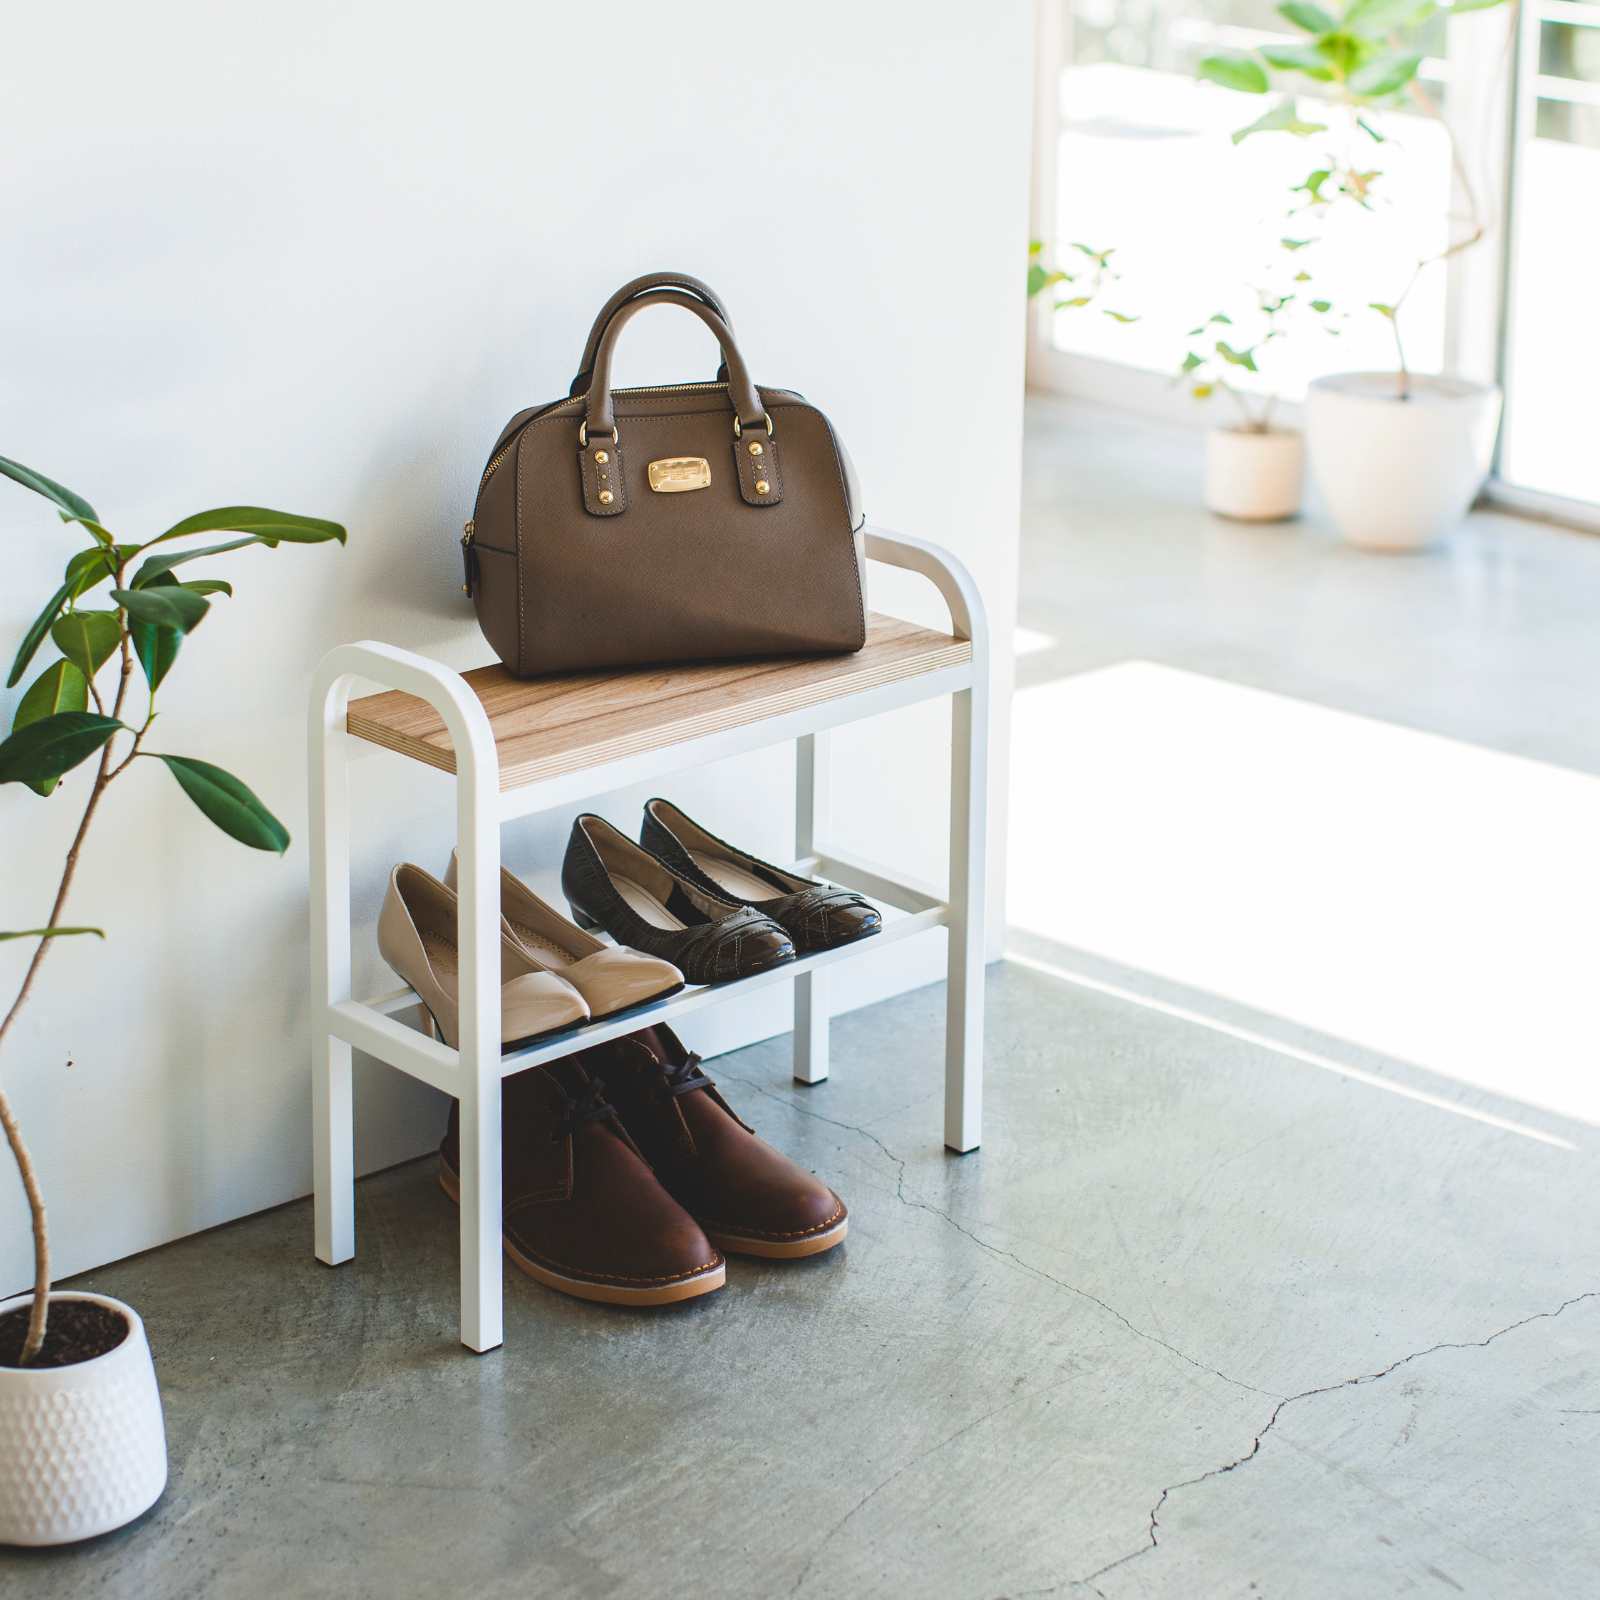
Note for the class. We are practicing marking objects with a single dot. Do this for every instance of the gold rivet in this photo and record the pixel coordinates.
(601, 457)
(605, 497)
(755, 447)
(761, 485)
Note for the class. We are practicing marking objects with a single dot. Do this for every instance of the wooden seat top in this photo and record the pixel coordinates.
(545, 727)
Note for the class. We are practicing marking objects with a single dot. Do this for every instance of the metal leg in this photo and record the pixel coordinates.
(810, 988)
(963, 1061)
(332, 1123)
(478, 935)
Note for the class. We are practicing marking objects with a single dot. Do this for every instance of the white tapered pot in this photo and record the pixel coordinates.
(1254, 475)
(83, 1448)
(1399, 474)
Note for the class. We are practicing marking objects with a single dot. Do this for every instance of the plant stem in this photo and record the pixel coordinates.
(1244, 406)
(38, 1315)
(1403, 376)
(1477, 226)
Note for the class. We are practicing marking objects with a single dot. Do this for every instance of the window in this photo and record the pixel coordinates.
(1147, 167)
(1144, 166)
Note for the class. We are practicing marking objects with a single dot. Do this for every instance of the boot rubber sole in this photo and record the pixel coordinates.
(813, 1244)
(659, 1294)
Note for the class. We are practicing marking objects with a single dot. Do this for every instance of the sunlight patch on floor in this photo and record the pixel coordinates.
(1419, 897)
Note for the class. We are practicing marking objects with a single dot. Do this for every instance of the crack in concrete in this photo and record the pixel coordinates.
(1153, 1542)
(1009, 1256)
(1283, 1401)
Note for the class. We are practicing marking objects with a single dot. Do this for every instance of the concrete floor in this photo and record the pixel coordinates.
(1198, 1320)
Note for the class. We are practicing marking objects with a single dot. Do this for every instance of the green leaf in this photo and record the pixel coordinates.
(60, 687)
(74, 505)
(1119, 316)
(1234, 70)
(1236, 358)
(1381, 309)
(1302, 277)
(1219, 316)
(1377, 19)
(1313, 19)
(1371, 132)
(1191, 361)
(153, 567)
(34, 637)
(166, 606)
(228, 803)
(87, 638)
(50, 933)
(94, 565)
(1282, 118)
(1100, 256)
(1077, 300)
(156, 648)
(1203, 391)
(268, 526)
(208, 586)
(1302, 58)
(1322, 305)
(1385, 76)
(53, 745)
(1313, 185)
(1295, 244)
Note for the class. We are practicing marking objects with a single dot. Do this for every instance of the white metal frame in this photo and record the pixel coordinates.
(340, 1022)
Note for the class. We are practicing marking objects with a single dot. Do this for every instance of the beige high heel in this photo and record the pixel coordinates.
(417, 937)
(611, 978)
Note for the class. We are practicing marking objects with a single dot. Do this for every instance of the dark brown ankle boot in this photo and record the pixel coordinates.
(583, 1212)
(749, 1198)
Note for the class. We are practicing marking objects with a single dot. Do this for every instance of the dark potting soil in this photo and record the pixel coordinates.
(78, 1330)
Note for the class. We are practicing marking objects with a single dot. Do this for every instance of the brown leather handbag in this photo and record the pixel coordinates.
(680, 522)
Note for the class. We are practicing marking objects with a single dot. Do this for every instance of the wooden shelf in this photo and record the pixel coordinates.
(546, 727)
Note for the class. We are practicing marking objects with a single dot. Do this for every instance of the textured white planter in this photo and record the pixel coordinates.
(1254, 477)
(1398, 474)
(83, 1449)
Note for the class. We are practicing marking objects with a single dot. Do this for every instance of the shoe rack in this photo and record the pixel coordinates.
(521, 746)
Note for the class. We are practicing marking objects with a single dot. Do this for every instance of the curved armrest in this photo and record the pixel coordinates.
(947, 574)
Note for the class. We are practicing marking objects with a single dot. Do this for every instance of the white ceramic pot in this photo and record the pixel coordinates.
(1255, 477)
(1398, 474)
(83, 1449)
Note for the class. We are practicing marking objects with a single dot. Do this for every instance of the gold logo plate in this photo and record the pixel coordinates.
(676, 474)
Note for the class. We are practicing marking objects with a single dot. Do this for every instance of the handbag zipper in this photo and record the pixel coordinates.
(469, 560)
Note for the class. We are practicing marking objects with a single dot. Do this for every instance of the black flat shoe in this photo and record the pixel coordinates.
(612, 883)
(816, 916)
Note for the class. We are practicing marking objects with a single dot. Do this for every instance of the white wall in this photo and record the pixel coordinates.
(313, 255)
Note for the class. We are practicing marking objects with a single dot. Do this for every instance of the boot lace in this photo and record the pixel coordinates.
(590, 1106)
(684, 1077)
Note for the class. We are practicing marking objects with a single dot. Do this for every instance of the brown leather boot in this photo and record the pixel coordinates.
(750, 1199)
(583, 1212)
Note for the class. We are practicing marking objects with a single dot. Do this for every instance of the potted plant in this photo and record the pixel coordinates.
(1399, 456)
(85, 1449)
(1255, 471)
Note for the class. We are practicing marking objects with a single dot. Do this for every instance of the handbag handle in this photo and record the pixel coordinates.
(599, 419)
(601, 477)
(635, 290)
